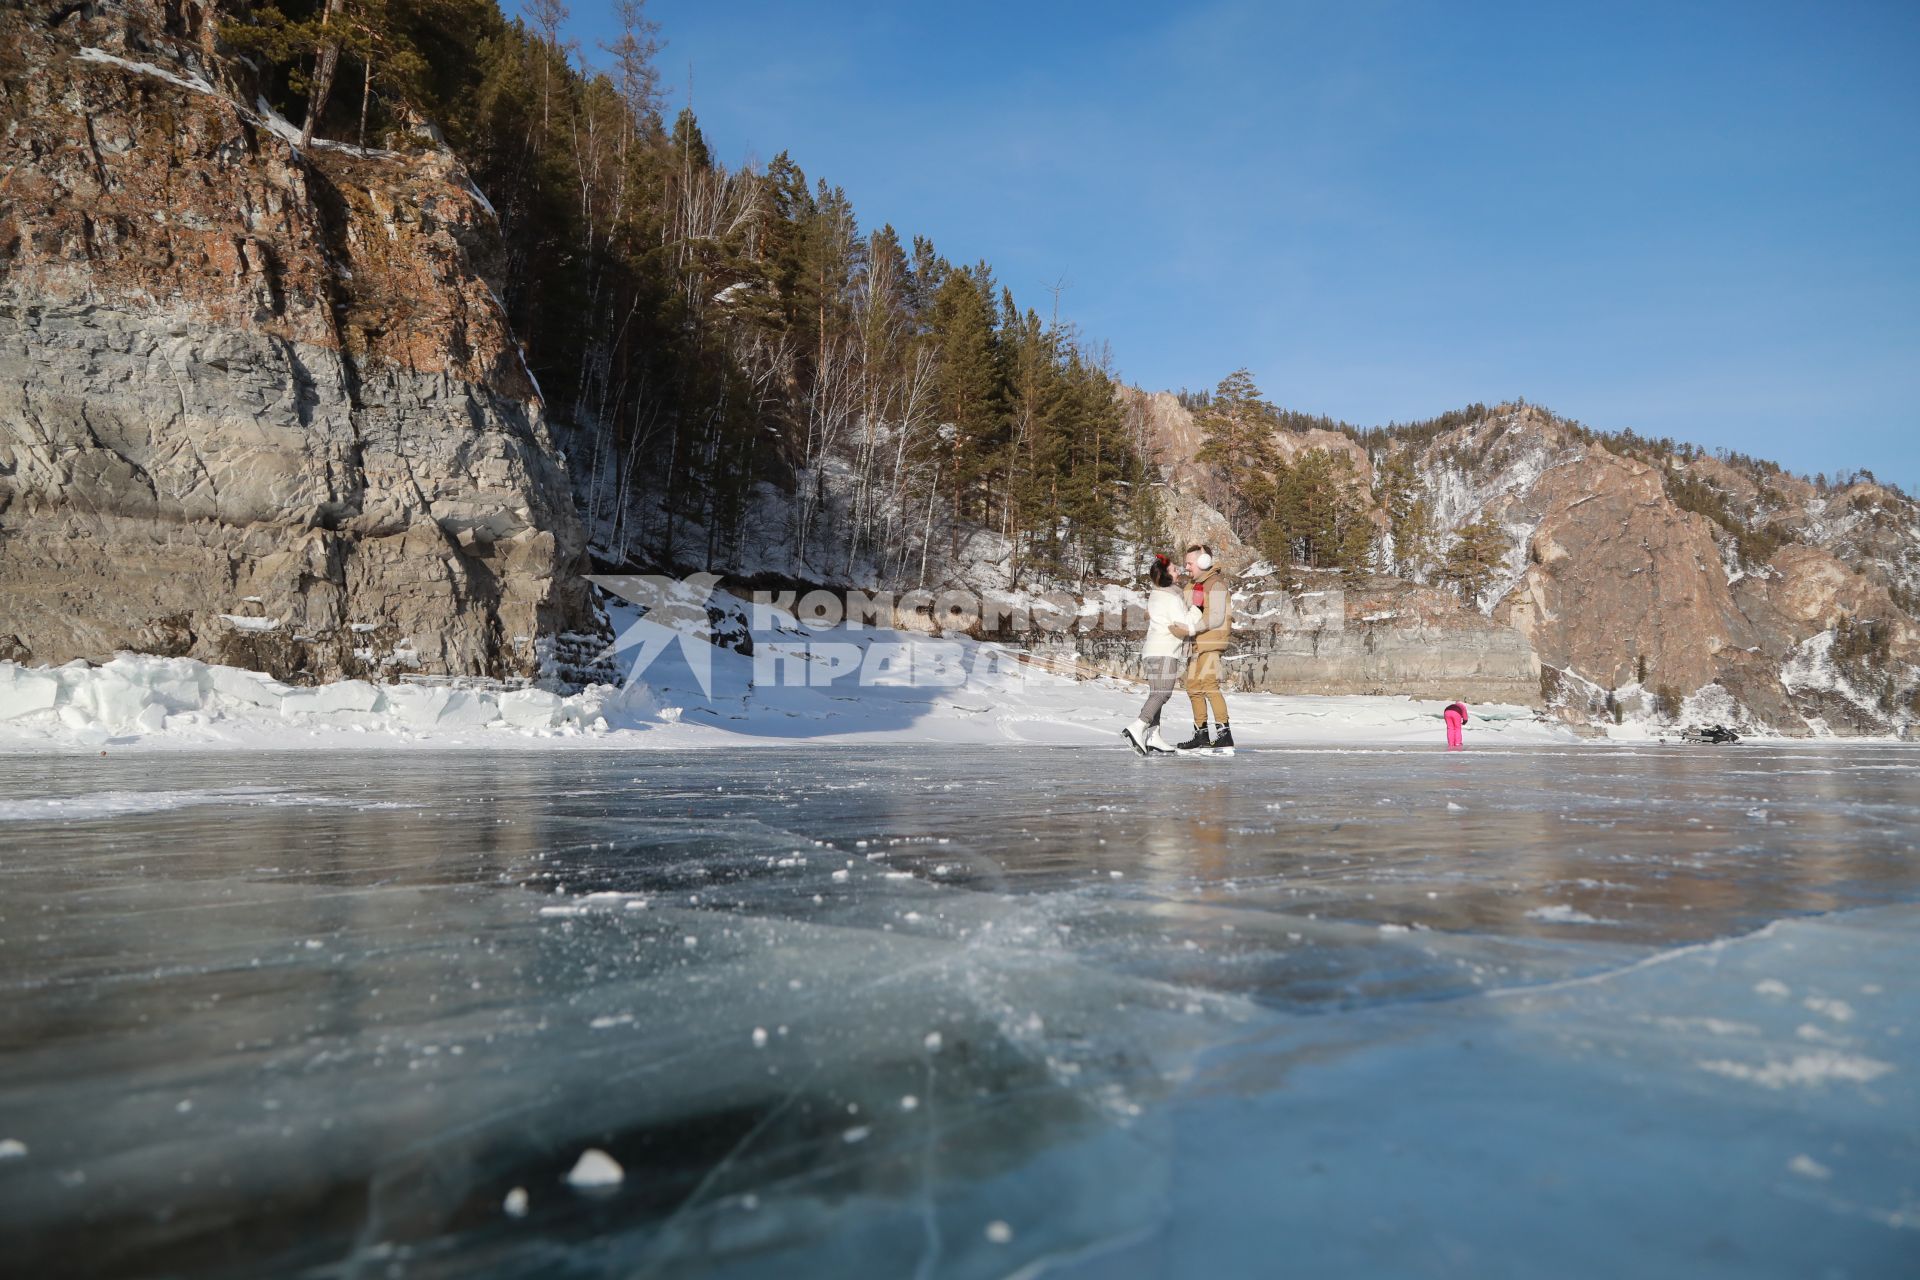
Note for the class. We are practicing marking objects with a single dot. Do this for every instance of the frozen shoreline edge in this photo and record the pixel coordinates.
(149, 704)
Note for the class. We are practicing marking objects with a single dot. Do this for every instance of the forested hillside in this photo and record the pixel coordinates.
(743, 376)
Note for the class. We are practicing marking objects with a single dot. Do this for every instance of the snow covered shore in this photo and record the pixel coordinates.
(978, 693)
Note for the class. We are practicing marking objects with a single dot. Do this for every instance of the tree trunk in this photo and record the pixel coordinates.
(326, 59)
(366, 92)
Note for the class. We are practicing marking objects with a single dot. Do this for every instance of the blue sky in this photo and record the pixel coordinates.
(1698, 220)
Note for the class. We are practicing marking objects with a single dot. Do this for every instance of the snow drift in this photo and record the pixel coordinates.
(136, 695)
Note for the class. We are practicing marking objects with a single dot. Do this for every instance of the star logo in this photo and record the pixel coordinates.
(672, 611)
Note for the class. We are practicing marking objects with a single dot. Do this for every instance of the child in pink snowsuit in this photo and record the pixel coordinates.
(1456, 715)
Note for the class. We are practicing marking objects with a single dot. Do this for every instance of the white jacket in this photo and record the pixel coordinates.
(1166, 608)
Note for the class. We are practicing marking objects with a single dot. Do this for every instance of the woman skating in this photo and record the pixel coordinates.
(1170, 621)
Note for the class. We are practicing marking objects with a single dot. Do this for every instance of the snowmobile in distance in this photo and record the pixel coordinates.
(1717, 734)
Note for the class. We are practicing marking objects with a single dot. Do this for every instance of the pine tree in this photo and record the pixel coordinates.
(1398, 492)
(1237, 438)
(969, 386)
(1475, 558)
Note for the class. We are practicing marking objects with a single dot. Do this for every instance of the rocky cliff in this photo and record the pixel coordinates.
(1329, 635)
(257, 405)
(1649, 579)
(1382, 635)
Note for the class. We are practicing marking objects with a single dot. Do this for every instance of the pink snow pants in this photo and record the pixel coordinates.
(1454, 742)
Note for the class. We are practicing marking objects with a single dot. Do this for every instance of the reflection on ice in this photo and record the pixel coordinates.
(960, 1012)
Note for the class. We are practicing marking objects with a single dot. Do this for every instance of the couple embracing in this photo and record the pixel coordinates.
(1188, 615)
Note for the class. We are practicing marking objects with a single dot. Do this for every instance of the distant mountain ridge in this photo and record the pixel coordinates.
(1649, 577)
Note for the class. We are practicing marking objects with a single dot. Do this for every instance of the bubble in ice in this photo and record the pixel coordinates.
(759, 1037)
(12, 1149)
(516, 1203)
(1807, 1167)
(932, 1042)
(1838, 1010)
(999, 1232)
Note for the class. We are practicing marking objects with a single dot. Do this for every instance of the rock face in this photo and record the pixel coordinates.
(256, 406)
(1168, 438)
(1762, 598)
(1390, 636)
(1381, 636)
(1627, 593)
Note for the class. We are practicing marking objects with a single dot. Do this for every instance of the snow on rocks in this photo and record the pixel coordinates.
(87, 53)
(595, 1169)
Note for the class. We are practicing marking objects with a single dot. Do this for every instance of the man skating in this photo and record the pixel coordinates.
(1207, 591)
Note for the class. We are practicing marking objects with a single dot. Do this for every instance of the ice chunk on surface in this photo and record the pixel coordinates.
(23, 691)
(530, 708)
(595, 1168)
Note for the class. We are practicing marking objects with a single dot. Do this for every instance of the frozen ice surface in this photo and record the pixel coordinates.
(337, 1015)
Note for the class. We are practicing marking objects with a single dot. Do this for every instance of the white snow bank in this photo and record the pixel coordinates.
(843, 685)
(137, 696)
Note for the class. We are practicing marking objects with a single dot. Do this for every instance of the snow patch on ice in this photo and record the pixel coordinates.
(115, 804)
(1805, 1070)
(1838, 1010)
(1561, 913)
